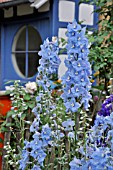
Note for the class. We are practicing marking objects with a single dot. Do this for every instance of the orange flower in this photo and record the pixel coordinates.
(96, 73)
(92, 81)
(58, 81)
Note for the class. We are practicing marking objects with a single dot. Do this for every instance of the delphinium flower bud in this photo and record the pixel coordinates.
(76, 79)
(96, 98)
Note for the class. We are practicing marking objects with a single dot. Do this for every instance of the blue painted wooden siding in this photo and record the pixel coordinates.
(8, 32)
(47, 26)
(56, 24)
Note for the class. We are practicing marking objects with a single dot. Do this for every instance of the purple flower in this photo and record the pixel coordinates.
(106, 107)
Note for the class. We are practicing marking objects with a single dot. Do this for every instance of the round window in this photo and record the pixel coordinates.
(25, 51)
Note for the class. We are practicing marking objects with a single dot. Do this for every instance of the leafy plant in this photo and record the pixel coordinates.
(18, 120)
(56, 131)
(101, 49)
(51, 124)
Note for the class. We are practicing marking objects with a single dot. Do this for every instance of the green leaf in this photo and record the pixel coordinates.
(63, 40)
(1, 140)
(62, 50)
(27, 97)
(111, 37)
(10, 113)
(4, 123)
(23, 116)
(9, 124)
(101, 87)
(7, 92)
(3, 129)
(10, 81)
(24, 107)
(31, 105)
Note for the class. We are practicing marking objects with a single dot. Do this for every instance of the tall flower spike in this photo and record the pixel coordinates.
(76, 79)
(49, 63)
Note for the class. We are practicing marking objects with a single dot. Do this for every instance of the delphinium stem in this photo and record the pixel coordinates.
(75, 131)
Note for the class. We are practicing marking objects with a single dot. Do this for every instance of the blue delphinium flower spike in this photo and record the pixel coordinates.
(49, 63)
(76, 79)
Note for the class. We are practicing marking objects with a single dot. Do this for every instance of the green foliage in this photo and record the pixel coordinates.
(101, 50)
(1, 140)
(18, 120)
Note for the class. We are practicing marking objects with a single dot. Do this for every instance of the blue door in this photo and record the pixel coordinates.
(20, 43)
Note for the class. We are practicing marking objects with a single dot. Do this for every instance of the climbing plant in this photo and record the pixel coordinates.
(101, 49)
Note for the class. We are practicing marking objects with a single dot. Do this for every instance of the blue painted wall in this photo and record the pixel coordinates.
(47, 24)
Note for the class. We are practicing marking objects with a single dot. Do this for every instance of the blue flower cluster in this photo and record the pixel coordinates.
(43, 135)
(99, 160)
(36, 148)
(76, 79)
(49, 63)
(98, 153)
(107, 107)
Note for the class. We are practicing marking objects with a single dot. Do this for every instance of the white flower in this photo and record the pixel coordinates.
(8, 151)
(28, 122)
(31, 87)
(19, 115)
(10, 88)
(54, 39)
(5, 147)
(13, 116)
(6, 156)
(11, 163)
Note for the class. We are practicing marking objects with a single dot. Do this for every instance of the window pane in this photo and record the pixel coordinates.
(86, 17)
(66, 11)
(21, 40)
(33, 63)
(34, 39)
(20, 60)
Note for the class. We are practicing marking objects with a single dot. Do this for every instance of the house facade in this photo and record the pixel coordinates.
(25, 24)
